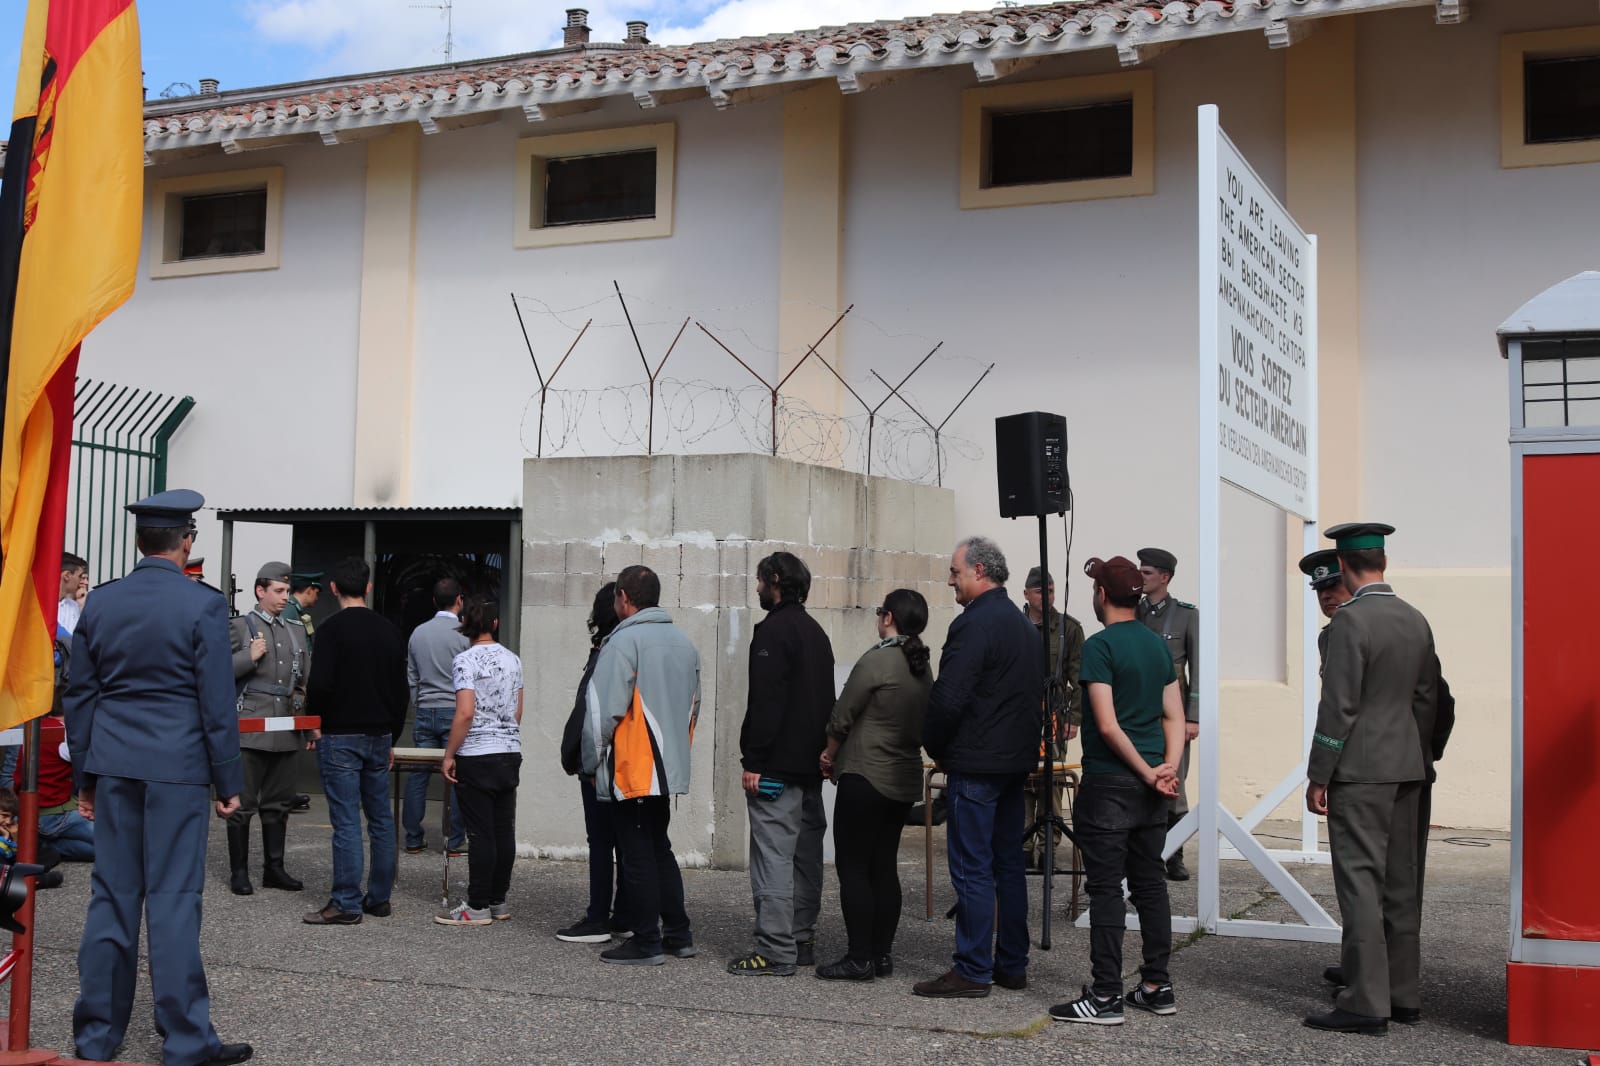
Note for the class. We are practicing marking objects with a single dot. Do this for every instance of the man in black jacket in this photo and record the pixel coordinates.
(791, 697)
(984, 726)
(358, 687)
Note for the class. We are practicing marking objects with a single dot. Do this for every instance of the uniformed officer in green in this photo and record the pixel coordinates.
(1178, 624)
(271, 661)
(304, 588)
(1063, 695)
(1366, 769)
(1327, 581)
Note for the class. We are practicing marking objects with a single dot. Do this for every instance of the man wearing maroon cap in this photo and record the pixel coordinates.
(1132, 740)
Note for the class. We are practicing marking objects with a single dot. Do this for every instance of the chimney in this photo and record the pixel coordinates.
(577, 27)
(208, 86)
(636, 33)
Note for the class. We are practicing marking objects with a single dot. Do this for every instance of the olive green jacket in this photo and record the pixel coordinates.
(878, 721)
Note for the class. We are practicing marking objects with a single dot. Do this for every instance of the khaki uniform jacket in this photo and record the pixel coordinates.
(1178, 624)
(1379, 692)
(275, 687)
(1065, 664)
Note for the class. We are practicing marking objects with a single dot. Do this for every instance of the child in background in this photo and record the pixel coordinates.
(47, 856)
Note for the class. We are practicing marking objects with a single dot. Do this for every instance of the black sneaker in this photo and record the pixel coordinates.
(680, 949)
(588, 931)
(1160, 1001)
(846, 969)
(1088, 1008)
(628, 953)
(805, 952)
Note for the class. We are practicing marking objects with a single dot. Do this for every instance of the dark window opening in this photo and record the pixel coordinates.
(1064, 144)
(216, 225)
(617, 187)
(1561, 99)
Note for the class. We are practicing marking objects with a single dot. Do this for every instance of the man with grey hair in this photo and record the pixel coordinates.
(983, 726)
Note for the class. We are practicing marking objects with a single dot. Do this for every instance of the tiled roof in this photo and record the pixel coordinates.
(540, 82)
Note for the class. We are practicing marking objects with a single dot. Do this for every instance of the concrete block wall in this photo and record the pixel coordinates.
(703, 522)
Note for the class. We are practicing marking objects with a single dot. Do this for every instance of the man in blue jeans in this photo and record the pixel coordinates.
(358, 688)
(1133, 737)
(429, 655)
(984, 726)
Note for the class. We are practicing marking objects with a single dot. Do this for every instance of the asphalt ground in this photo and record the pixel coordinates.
(403, 989)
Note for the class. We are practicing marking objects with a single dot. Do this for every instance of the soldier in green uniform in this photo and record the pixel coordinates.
(1327, 581)
(271, 661)
(1178, 624)
(1062, 693)
(1366, 772)
(303, 592)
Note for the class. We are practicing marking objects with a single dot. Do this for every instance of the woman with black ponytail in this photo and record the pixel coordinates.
(874, 755)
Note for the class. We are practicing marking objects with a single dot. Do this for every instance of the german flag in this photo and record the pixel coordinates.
(69, 248)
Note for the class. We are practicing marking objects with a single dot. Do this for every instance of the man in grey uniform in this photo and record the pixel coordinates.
(1366, 771)
(1178, 624)
(1327, 581)
(270, 664)
(150, 721)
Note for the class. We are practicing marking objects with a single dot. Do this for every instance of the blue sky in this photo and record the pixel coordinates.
(245, 43)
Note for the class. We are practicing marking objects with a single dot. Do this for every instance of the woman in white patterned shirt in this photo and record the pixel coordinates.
(483, 759)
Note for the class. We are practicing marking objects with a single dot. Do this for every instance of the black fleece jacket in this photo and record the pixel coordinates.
(791, 697)
(985, 711)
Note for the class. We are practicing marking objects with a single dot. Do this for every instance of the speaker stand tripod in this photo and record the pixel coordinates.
(1050, 822)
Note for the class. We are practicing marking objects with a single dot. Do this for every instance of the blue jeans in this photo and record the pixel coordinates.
(355, 779)
(71, 833)
(984, 837)
(431, 730)
(8, 764)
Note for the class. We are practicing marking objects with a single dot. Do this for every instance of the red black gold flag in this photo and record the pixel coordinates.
(70, 210)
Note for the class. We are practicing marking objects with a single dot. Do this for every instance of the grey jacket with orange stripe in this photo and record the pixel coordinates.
(643, 700)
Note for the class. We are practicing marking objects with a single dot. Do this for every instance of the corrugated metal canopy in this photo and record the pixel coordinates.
(290, 515)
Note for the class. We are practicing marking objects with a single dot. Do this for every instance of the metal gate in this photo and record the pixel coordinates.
(119, 454)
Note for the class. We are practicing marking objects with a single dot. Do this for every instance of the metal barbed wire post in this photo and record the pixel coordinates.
(544, 383)
(650, 418)
(774, 389)
(938, 453)
(872, 415)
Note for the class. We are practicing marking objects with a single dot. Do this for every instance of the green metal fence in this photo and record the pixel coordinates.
(119, 454)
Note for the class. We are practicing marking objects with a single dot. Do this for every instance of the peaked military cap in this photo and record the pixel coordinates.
(270, 572)
(174, 508)
(1322, 567)
(310, 579)
(1159, 558)
(1037, 578)
(1354, 536)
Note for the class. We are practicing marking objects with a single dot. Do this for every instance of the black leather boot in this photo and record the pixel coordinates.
(1176, 870)
(239, 858)
(273, 875)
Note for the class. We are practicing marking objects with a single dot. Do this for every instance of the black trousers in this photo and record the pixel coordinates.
(650, 874)
(602, 834)
(866, 845)
(486, 795)
(1121, 825)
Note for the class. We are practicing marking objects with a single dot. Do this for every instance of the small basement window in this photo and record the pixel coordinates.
(1550, 97)
(223, 224)
(1561, 99)
(613, 187)
(217, 223)
(1061, 144)
(1056, 141)
(598, 185)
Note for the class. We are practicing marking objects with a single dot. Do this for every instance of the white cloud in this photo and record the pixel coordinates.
(354, 36)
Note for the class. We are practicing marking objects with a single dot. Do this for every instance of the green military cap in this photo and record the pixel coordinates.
(311, 579)
(1159, 558)
(1038, 578)
(1354, 536)
(1322, 567)
(271, 572)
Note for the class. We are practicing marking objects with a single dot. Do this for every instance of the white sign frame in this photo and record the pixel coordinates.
(1209, 817)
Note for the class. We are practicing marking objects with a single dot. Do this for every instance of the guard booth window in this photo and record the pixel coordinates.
(1560, 383)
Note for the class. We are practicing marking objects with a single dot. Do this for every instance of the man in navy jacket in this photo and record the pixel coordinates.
(985, 717)
(152, 726)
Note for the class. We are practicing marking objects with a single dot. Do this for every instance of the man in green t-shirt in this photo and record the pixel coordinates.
(1132, 741)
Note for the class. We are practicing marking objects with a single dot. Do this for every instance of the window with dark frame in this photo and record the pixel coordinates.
(222, 224)
(1560, 383)
(1077, 143)
(1561, 99)
(610, 187)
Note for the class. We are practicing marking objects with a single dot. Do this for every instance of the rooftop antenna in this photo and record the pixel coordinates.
(448, 7)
